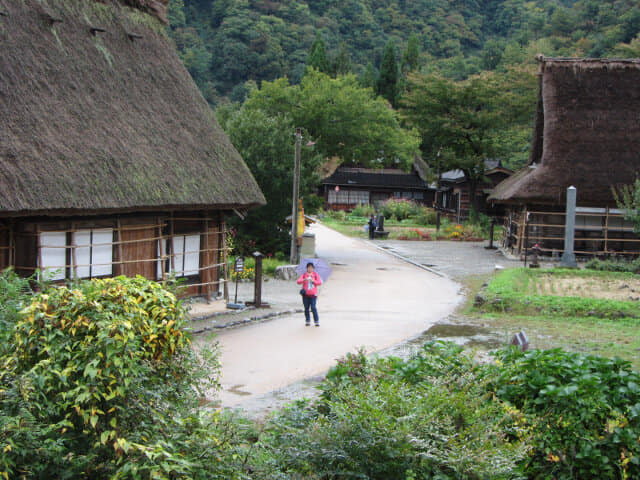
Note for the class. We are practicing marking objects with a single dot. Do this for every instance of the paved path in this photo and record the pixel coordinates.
(457, 260)
(371, 300)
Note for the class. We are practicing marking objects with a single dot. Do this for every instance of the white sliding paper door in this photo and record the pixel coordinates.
(53, 254)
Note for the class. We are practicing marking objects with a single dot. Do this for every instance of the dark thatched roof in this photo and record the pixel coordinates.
(586, 134)
(381, 177)
(106, 120)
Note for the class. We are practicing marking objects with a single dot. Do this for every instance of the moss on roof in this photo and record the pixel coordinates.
(106, 120)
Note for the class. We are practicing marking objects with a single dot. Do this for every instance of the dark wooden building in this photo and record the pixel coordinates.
(111, 161)
(454, 194)
(350, 186)
(587, 135)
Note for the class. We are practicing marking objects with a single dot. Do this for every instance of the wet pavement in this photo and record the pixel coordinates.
(456, 260)
(372, 300)
(387, 296)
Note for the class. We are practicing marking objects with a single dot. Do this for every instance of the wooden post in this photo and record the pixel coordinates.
(606, 230)
(205, 259)
(172, 256)
(74, 258)
(11, 258)
(225, 267)
(39, 247)
(120, 257)
(161, 251)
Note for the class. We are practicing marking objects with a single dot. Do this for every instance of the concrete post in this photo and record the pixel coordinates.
(568, 257)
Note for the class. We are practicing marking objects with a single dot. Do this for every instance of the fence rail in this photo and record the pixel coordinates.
(598, 232)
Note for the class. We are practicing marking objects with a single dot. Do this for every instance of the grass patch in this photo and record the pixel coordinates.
(519, 291)
(599, 336)
(553, 319)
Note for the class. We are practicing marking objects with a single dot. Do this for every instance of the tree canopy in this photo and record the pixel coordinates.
(224, 44)
(462, 124)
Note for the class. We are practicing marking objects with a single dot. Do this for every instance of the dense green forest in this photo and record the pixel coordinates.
(226, 43)
(459, 76)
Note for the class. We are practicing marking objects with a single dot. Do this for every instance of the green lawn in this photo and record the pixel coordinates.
(544, 304)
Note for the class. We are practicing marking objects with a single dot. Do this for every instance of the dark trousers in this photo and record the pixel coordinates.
(310, 302)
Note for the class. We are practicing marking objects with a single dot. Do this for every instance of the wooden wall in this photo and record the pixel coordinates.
(138, 248)
(139, 242)
(4, 246)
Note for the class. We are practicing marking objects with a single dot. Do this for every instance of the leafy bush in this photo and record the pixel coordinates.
(363, 210)
(584, 412)
(339, 215)
(14, 294)
(425, 216)
(398, 209)
(427, 417)
(101, 382)
(615, 265)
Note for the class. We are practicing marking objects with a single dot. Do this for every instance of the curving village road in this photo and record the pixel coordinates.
(371, 300)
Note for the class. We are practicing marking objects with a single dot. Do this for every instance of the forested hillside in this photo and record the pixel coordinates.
(226, 43)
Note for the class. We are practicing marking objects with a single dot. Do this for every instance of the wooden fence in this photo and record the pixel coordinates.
(599, 232)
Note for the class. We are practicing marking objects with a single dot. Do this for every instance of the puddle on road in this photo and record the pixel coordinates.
(462, 334)
(482, 338)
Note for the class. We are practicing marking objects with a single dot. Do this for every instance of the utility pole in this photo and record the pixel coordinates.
(438, 190)
(296, 193)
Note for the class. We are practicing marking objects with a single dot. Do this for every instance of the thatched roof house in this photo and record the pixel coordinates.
(101, 123)
(586, 134)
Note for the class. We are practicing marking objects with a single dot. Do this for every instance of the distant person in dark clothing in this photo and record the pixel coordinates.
(372, 227)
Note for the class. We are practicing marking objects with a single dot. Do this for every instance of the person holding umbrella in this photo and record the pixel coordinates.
(310, 280)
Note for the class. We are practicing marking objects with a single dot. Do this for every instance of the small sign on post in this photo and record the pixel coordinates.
(238, 268)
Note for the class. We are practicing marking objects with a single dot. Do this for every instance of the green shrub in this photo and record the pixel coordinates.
(584, 412)
(615, 265)
(101, 382)
(339, 215)
(425, 216)
(398, 209)
(428, 417)
(363, 210)
(15, 293)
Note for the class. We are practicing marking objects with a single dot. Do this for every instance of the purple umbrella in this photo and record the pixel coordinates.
(319, 266)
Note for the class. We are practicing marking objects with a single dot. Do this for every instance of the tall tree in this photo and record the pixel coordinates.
(388, 78)
(266, 143)
(411, 56)
(345, 119)
(341, 64)
(466, 119)
(318, 56)
(368, 77)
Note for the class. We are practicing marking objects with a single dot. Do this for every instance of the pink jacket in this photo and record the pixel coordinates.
(310, 282)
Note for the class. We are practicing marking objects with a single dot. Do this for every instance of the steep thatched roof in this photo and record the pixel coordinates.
(106, 119)
(586, 134)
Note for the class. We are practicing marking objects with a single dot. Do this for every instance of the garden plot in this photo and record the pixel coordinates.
(623, 289)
